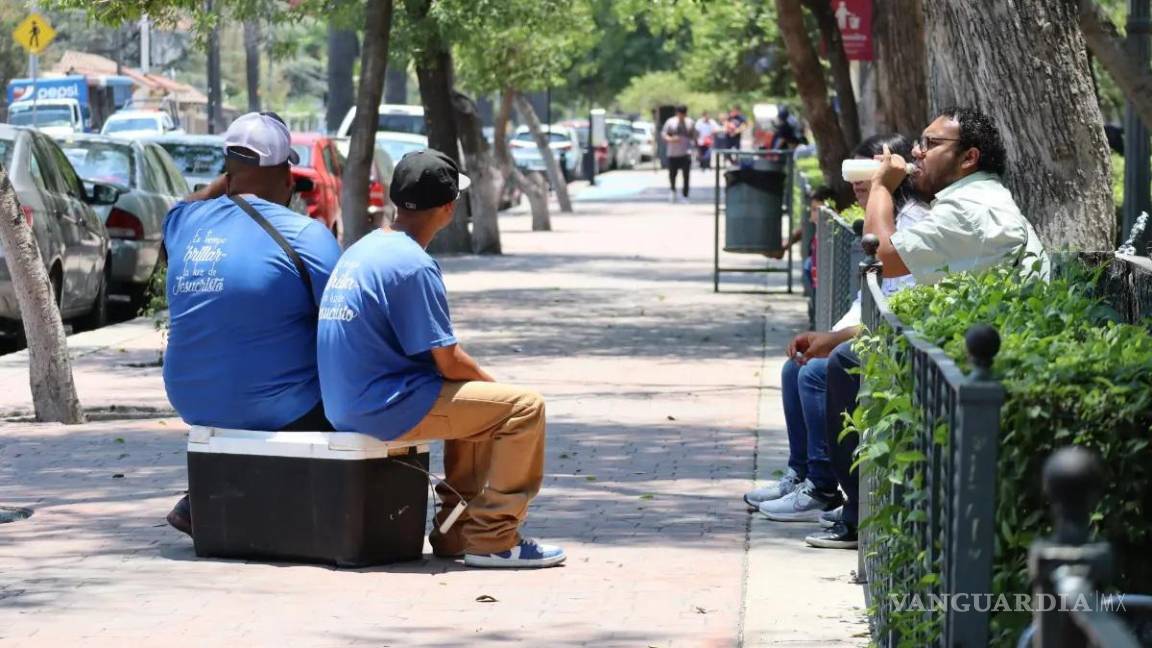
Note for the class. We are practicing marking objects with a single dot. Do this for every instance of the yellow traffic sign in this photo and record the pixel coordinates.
(34, 34)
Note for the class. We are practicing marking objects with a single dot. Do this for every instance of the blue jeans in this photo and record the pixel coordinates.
(804, 389)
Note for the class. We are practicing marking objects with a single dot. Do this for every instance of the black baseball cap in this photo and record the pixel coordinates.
(426, 179)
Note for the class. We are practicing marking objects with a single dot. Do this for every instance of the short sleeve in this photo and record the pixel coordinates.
(956, 239)
(173, 214)
(418, 309)
(320, 252)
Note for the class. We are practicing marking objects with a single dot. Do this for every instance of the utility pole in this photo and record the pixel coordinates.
(1137, 175)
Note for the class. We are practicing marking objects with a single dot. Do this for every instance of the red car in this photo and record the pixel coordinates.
(320, 162)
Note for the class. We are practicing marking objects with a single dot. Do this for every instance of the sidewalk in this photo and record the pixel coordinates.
(663, 400)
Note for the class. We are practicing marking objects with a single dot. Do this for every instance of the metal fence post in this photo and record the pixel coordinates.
(869, 317)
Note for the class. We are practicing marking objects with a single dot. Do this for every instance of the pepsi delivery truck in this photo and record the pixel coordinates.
(67, 104)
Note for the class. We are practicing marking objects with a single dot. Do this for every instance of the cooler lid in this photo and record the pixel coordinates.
(319, 445)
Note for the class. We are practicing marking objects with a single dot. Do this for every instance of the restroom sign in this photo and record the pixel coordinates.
(854, 17)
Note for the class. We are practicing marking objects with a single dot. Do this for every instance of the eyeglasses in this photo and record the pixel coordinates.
(926, 143)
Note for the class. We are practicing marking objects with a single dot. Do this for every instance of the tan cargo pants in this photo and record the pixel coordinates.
(493, 455)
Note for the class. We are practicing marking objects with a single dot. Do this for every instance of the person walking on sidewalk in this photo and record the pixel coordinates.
(679, 134)
(391, 366)
(706, 128)
(245, 275)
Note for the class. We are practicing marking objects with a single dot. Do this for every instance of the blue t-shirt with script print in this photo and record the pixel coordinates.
(242, 343)
(385, 309)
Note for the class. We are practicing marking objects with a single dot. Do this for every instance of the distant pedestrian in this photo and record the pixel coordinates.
(706, 129)
(787, 133)
(734, 128)
(679, 133)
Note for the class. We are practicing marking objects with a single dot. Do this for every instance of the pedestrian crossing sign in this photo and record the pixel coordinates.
(34, 34)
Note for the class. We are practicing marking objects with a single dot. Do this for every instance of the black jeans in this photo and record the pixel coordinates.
(842, 390)
(313, 421)
(679, 163)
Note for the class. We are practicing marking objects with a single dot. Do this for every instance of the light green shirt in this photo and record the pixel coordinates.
(974, 224)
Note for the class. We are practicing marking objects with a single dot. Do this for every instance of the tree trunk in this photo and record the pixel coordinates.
(809, 75)
(536, 190)
(1025, 64)
(362, 147)
(49, 370)
(435, 75)
(252, 62)
(841, 71)
(484, 195)
(866, 101)
(342, 52)
(215, 91)
(901, 65)
(1108, 46)
(396, 83)
(555, 176)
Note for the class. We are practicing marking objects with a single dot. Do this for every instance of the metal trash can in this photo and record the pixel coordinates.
(754, 207)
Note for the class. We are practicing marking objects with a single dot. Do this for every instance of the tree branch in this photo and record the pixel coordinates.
(1105, 42)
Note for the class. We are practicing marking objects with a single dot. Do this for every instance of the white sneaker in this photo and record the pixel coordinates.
(773, 490)
(683, 200)
(528, 553)
(801, 505)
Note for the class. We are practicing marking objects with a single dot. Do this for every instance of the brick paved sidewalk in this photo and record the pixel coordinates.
(654, 399)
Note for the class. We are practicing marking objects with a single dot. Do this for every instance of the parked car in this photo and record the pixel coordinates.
(130, 124)
(393, 118)
(397, 145)
(380, 208)
(71, 236)
(562, 140)
(645, 135)
(603, 152)
(322, 164)
(149, 183)
(626, 149)
(200, 158)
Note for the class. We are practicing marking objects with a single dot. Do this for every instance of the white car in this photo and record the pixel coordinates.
(645, 135)
(394, 118)
(129, 124)
(563, 141)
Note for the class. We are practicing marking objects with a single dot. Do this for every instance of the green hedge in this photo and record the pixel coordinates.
(1073, 374)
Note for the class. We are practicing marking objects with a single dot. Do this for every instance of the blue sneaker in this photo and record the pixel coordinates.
(528, 554)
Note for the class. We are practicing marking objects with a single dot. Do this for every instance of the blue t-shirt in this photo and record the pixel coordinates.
(242, 343)
(385, 309)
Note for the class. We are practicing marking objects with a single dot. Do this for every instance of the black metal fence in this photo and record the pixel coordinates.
(838, 257)
(953, 523)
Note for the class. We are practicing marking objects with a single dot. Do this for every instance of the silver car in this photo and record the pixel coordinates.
(71, 236)
(149, 183)
(200, 158)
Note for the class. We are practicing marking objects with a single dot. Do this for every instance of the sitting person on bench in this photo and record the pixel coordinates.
(391, 366)
(245, 275)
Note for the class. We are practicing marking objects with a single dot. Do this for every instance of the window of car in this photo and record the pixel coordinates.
(402, 123)
(7, 148)
(153, 168)
(553, 138)
(305, 153)
(40, 166)
(132, 124)
(69, 181)
(196, 159)
(101, 161)
(175, 179)
(397, 149)
(329, 163)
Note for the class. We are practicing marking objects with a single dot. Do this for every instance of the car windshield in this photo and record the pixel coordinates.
(132, 124)
(553, 138)
(6, 148)
(196, 159)
(639, 130)
(582, 133)
(401, 123)
(305, 153)
(101, 161)
(397, 149)
(44, 116)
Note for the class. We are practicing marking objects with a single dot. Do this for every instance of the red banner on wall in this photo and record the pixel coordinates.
(855, 20)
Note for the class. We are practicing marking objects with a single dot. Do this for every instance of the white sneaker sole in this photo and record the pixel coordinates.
(512, 563)
(793, 516)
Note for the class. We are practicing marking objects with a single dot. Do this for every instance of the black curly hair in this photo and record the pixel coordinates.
(899, 145)
(978, 131)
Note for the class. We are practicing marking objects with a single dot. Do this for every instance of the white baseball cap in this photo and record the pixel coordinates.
(260, 138)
